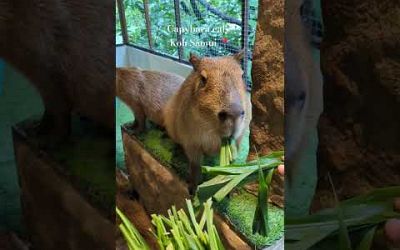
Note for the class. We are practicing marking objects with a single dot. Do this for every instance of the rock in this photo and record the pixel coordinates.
(266, 129)
(359, 129)
(267, 125)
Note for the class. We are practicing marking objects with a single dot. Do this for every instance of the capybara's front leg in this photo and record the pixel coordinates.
(55, 125)
(140, 117)
(195, 157)
(194, 177)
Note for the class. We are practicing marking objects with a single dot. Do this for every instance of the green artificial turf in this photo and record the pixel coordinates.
(88, 160)
(239, 210)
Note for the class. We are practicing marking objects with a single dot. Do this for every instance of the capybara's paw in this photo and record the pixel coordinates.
(136, 127)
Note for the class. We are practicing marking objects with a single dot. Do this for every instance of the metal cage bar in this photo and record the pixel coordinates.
(148, 23)
(122, 19)
(245, 38)
(178, 25)
(244, 23)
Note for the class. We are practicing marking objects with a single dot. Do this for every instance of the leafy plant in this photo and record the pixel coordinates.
(228, 177)
(132, 236)
(178, 231)
(260, 221)
(193, 13)
(359, 214)
(228, 152)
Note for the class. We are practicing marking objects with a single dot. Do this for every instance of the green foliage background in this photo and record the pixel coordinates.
(162, 14)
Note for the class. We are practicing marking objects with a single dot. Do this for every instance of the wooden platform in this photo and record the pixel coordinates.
(56, 212)
(159, 188)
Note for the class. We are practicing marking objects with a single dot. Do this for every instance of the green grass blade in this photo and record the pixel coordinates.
(219, 242)
(344, 237)
(260, 221)
(236, 170)
(233, 150)
(130, 233)
(222, 158)
(365, 210)
(211, 235)
(128, 238)
(193, 220)
(366, 241)
(224, 191)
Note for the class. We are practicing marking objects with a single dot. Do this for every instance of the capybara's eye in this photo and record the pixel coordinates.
(203, 81)
(301, 99)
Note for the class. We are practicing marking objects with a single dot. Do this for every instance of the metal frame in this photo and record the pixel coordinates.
(245, 37)
(148, 23)
(244, 23)
(178, 25)
(122, 19)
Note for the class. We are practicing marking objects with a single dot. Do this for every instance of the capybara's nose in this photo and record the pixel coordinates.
(234, 112)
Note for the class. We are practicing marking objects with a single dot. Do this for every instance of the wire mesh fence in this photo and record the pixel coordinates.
(176, 28)
(118, 31)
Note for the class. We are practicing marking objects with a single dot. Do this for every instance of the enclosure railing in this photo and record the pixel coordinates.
(178, 6)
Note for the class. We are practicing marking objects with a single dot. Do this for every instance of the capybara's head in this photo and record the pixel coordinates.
(220, 94)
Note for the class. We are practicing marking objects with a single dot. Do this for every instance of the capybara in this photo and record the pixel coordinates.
(211, 104)
(66, 49)
(146, 92)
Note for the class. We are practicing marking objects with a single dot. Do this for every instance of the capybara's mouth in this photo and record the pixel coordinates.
(227, 133)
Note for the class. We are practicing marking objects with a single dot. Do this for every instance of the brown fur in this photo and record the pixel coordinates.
(66, 49)
(146, 93)
(192, 114)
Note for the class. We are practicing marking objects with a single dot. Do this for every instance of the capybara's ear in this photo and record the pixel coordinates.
(239, 56)
(194, 60)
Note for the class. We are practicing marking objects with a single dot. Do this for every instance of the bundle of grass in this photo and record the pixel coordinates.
(223, 179)
(177, 231)
(228, 176)
(228, 152)
(180, 232)
(132, 236)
